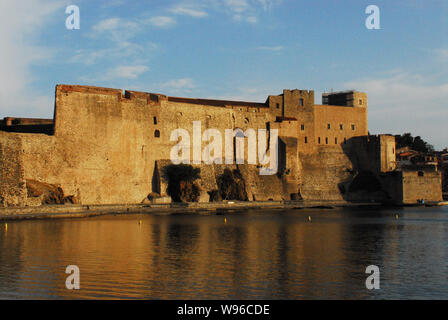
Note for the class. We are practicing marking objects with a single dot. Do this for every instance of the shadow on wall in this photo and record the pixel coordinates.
(366, 183)
(181, 180)
(231, 186)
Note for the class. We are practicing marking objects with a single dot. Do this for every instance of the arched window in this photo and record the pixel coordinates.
(157, 134)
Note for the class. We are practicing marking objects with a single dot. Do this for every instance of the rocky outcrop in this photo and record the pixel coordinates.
(48, 193)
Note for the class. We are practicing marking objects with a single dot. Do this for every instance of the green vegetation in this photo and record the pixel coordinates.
(181, 182)
(415, 143)
(232, 186)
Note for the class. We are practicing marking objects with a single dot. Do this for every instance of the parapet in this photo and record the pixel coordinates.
(127, 95)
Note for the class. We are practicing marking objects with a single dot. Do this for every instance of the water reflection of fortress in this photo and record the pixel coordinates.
(105, 146)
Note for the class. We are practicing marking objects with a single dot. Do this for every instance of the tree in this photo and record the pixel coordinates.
(181, 182)
(417, 143)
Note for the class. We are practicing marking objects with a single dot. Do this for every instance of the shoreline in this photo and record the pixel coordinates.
(85, 211)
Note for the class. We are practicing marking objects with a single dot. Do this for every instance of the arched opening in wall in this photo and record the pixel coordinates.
(155, 120)
(157, 134)
(326, 140)
(306, 139)
(335, 140)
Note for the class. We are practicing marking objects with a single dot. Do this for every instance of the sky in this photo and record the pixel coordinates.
(234, 49)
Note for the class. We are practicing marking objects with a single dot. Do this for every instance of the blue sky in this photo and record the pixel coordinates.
(234, 49)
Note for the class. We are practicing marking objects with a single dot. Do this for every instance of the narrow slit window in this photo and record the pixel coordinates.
(326, 140)
(155, 120)
(157, 134)
(306, 139)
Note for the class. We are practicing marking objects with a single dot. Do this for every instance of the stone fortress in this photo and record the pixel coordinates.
(106, 146)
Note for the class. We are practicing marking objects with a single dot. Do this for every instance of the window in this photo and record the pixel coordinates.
(353, 127)
(155, 120)
(277, 105)
(341, 126)
(157, 134)
(329, 126)
(306, 139)
(326, 140)
(301, 102)
(318, 140)
(345, 141)
(302, 127)
(360, 102)
(335, 140)
(421, 173)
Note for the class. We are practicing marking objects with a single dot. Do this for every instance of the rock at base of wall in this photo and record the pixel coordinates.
(47, 193)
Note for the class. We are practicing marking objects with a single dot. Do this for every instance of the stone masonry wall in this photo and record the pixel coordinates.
(12, 182)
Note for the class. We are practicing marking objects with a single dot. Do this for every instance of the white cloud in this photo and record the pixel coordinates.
(126, 72)
(442, 54)
(405, 102)
(272, 48)
(122, 49)
(107, 25)
(237, 5)
(116, 29)
(183, 85)
(162, 21)
(252, 19)
(189, 11)
(19, 27)
(267, 4)
(248, 10)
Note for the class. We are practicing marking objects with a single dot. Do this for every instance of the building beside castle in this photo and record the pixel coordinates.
(104, 146)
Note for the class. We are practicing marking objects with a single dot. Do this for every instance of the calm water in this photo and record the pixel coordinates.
(256, 254)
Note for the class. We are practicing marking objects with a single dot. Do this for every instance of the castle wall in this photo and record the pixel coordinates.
(105, 144)
(110, 147)
(323, 172)
(335, 116)
(12, 181)
(423, 184)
